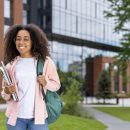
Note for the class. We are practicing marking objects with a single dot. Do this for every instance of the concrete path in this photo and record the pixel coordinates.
(111, 122)
(3, 107)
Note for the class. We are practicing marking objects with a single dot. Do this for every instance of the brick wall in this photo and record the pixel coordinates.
(1, 32)
(16, 18)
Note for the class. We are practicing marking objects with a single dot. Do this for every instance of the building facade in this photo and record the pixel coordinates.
(10, 13)
(80, 37)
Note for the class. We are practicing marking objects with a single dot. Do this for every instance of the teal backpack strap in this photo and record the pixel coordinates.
(40, 65)
(53, 102)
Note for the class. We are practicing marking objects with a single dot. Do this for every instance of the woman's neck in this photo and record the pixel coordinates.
(26, 56)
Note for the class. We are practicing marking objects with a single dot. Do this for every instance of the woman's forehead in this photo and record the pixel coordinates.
(23, 33)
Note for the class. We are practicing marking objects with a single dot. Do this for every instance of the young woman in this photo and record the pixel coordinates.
(23, 45)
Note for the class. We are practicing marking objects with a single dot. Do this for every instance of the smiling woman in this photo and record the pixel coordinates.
(24, 44)
(23, 37)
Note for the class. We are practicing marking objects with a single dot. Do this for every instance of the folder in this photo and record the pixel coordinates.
(6, 77)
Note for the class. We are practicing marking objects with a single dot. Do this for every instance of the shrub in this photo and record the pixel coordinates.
(1, 100)
(71, 97)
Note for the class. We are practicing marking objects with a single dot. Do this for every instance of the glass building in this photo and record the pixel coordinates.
(76, 29)
(84, 22)
(81, 38)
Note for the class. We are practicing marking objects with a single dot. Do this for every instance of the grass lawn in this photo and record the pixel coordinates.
(67, 122)
(120, 112)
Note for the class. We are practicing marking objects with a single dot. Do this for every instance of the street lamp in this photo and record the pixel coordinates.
(123, 96)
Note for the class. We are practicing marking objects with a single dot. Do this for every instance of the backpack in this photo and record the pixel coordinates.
(52, 99)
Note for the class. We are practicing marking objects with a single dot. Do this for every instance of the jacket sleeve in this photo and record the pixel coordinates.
(51, 76)
(5, 96)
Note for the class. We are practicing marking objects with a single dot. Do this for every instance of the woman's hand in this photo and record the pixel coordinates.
(9, 89)
(41, 80)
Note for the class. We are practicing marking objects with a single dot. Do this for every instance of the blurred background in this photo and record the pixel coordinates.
(81, 38)
(89, 41)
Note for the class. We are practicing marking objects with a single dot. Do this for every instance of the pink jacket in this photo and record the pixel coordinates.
(53, 84)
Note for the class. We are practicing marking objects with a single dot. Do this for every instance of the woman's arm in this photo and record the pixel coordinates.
(51, 76)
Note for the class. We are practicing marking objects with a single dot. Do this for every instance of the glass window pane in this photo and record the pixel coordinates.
(24, 17)
(73, 23)
(62, 16)
(63, 4)
(6, 8)
(68, 22)
(56, 2)
(6, 27)
(73, 5)
(56, 20)
(25, 1)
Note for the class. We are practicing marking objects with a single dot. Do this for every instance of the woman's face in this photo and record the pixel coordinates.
(23, 43)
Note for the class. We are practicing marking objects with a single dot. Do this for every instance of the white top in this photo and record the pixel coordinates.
(26, 78)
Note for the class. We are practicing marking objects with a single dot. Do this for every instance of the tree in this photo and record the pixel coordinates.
(120, 11)
(72, 85)
(104, 85)
(71, 97)
(66, 80)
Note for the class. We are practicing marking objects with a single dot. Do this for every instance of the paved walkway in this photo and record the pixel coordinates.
(3, 107)
(111, 122)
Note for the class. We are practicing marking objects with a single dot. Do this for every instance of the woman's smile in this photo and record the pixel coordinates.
(23, 43)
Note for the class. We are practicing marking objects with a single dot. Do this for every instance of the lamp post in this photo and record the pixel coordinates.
(123, 96)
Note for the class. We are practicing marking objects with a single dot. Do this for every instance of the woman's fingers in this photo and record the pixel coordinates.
(42, 80)
(6, 90)
(12, 89)
(9, 89)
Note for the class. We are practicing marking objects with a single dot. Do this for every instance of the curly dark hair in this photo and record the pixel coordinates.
(38, 38)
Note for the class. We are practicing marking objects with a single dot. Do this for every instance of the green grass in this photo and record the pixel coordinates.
(2, 121)
(67, 122)
(119, 112)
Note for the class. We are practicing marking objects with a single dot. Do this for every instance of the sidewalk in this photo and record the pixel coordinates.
(111, 122)
(3, 107)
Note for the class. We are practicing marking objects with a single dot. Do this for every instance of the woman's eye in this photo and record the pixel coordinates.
(18, 39)
(26, 40)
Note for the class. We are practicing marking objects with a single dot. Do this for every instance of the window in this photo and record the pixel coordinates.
(69, 3)
(79, 5)
(63, 4)
(106, 66)
(56, 2)
(84, 26)
(56, 20)
(7, 9)
(63, 21)
(6, 27)
(73, 5)
(84, 6)
(99, 30)
(68, 22)
(25, 1)
(24, 17)
(99, 11)
(73, 23)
